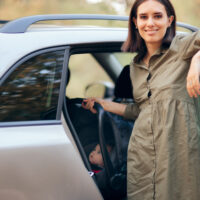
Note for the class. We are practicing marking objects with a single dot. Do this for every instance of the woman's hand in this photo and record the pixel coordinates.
(193, 84)
(110, 106)
(89, 104)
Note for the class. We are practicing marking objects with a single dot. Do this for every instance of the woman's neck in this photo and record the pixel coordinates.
(151, 49)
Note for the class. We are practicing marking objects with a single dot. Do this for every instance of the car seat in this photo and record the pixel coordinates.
(115, 164)
(123, 86)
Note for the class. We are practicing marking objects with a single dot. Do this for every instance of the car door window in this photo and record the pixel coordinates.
(32, 89)
(85, 70)
(125, 58)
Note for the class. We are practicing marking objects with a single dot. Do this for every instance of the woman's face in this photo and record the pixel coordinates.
(152, 22)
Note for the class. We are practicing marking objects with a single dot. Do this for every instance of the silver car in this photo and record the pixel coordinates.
(46, 71)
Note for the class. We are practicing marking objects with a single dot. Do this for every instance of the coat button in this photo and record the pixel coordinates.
(148, 77)
(149, 93)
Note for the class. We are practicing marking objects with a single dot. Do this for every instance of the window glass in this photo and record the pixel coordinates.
(85, 71)
(125, 58)
(31, 91)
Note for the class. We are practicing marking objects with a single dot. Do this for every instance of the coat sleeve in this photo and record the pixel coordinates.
(190, 44)
(132, 111)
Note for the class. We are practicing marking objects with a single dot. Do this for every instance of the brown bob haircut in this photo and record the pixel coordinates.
(135, 43)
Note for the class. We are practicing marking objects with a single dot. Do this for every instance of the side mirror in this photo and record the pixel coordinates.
(101, 89)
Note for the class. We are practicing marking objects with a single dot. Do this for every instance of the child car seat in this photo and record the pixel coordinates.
(115, 164)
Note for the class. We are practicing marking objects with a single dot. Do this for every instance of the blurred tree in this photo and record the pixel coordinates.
(187, 11)
(128, 3)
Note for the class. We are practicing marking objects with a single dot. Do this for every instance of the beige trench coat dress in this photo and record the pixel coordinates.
(164, 148)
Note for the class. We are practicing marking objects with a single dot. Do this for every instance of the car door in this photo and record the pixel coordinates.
(38, 159)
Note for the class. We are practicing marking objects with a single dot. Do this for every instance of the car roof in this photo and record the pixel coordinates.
(21, 25)
(16, 46)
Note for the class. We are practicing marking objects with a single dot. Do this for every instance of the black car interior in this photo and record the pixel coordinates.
(105, 128)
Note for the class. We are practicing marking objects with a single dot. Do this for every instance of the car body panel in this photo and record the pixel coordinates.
(16, 46)
(41, 163)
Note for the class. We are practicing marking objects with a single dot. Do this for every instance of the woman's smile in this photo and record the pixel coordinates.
(151, 31)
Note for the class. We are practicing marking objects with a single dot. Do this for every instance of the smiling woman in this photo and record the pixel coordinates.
(152, 22)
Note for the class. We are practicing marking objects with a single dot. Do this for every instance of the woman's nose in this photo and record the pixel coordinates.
(150, 21)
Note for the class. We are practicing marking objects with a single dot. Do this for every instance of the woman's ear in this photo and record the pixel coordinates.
(135, 22)
(171, 19)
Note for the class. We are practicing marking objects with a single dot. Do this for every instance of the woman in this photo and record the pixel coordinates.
(164, 148)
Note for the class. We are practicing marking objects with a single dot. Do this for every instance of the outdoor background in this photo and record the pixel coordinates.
(188, 11)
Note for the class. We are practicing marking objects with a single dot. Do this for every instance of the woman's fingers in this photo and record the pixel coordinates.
(193, 86)
(197, 85)
(89, 104)
(190, 89)
(91, 107)
(85, 104)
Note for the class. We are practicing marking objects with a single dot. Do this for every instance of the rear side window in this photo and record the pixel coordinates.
(31, 91)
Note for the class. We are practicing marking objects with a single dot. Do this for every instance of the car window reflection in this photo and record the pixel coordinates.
(32, 90)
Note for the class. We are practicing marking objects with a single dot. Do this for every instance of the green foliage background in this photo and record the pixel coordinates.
(188, 11)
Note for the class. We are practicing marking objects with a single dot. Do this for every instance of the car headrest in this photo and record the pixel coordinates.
(123, 85)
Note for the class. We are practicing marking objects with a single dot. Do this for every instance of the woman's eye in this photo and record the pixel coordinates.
(158, 16)
(143, 17)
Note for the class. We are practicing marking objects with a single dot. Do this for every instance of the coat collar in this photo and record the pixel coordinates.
(160, 51)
